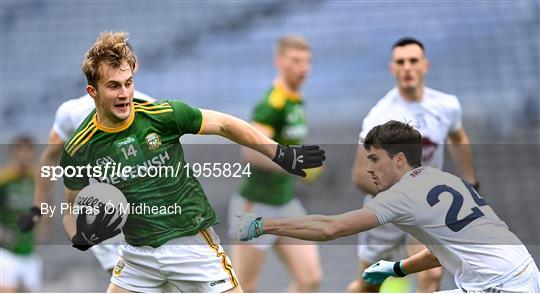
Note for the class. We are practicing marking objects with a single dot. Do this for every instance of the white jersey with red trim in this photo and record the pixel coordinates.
(456, 224)
(435, 116)
(71, 113)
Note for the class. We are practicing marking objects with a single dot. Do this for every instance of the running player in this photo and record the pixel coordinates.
(461, 231)
(269, 189)
(437, 116)
(69, 116)
(20, 266)
(132, 132)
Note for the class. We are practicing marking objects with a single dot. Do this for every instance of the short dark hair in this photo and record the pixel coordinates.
(395, 137)
(407, 41)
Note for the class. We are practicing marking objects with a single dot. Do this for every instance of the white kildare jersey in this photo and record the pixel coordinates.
(456, 224)
(72, 112)
(435, 116)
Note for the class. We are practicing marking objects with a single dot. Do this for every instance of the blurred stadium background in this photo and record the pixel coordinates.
(218, 55)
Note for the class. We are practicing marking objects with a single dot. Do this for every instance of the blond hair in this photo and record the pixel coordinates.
(291, 42)
(110, 48)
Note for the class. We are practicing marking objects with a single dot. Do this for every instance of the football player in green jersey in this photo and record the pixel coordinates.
(269, 190)
(20, 265)
(131, 132)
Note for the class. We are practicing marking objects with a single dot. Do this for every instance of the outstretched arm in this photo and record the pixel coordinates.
(421, 261)
(43, 193)
(49, 157)
(379, 271)
(237, 130)
(291, 158)
(69, 221)
(310, 227)
(257, 159)
(461, 152)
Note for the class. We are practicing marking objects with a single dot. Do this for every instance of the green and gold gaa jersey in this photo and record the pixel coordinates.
(149, 138)
(16, 196)
(283, 112)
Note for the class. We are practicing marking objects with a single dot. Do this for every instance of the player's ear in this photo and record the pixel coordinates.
(91, 91)
(426, 67)
(400, 159)
(391, 68)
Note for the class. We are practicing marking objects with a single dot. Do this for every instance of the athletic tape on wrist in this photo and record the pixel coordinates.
(398, 270)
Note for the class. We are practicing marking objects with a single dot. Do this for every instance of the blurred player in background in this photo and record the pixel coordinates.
(437, 116)
(69, 116)
(269, 189)
(476, 247)
(179, 249)
(20, 265)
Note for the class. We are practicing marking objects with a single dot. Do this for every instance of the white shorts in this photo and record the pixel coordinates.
(526, 281)
(238, 203)
(107, 255)
(20, 271)
(107, 252)
(190, 264)
(383, 242)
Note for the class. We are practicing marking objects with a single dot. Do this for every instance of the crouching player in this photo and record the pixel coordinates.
(474, 245)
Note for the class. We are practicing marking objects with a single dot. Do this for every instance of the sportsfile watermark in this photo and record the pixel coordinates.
(112, 173)
(92, 208)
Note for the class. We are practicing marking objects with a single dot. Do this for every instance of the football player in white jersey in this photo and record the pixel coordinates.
(69, 116)
(437, 116)
(461, 231)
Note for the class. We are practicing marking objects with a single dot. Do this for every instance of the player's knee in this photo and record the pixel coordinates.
(249, 285)
(309, 280)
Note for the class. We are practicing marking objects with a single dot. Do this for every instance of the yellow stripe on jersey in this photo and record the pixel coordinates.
(224, 259)
(76, 141)
(143, 103)
(77, 147)
(159, 106)
(202, 124)
(80, 134)
(153, 111)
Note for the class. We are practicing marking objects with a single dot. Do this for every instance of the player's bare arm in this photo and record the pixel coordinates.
(311, 227)
(70, 220)
(256, 158)
(43, 187)
(293, 159)
(461, 152)
(421, 261)
(359, 175)
(49, 157)
(237, 130)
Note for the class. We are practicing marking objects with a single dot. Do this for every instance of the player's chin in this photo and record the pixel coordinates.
(122, 114)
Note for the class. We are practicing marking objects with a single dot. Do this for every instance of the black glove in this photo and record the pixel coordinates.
(296, 158)
(27, 220)
(98, 231)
